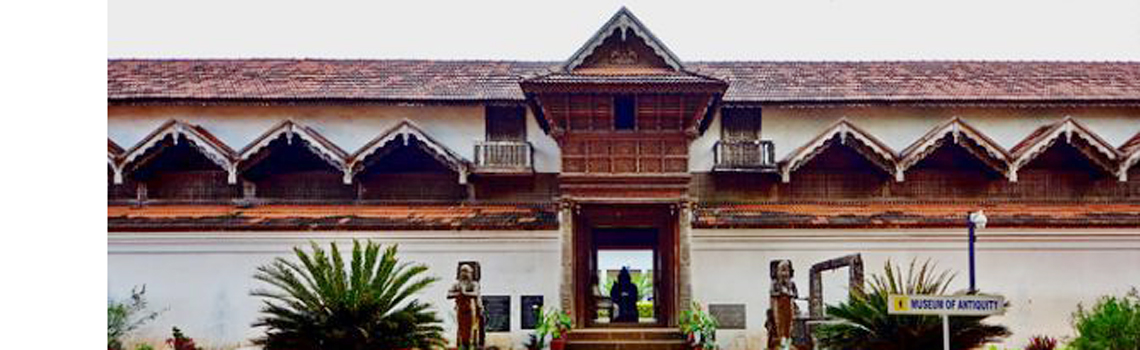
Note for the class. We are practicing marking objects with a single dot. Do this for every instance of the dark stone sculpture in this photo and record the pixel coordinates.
(624, 296)
(468, 307)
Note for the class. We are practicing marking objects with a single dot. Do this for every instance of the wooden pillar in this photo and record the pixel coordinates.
(684, 274)
(566, 240)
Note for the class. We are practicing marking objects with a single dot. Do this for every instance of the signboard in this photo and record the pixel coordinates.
(729, 316)
(528, 311)
(498, 311)
(945, 306)
(957, 305)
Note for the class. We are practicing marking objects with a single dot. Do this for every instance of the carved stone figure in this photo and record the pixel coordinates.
(468, 307)
(624, 297)
(782, 310)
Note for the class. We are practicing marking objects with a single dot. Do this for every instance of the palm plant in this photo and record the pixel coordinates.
(866, 325)
(318, 303)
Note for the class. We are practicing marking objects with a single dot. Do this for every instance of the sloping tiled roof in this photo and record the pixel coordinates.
(434, 80)
(318, 79)
(921, 80)
(919, 215)
(332, 217)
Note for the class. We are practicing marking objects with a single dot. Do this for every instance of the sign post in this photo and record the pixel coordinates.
(946, 306)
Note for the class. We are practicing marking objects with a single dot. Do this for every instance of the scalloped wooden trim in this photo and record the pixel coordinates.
(313, 141)
(178, 130)
(844, 129)
(403, 130)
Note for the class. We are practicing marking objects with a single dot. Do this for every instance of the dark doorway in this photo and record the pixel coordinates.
(638, 239)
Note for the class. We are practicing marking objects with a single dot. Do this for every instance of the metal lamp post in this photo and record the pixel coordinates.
(977, 220)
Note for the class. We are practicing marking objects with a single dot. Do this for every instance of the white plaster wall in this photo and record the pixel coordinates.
(1044, 274)
(202, 279)
(349, 127)
(899, 127)
(547, 154)
(702, 157)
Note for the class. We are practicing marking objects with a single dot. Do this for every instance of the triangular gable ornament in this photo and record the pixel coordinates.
(625, 24)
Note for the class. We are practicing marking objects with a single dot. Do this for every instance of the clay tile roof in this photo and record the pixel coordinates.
(333, 217)
(919, 215)
(926, 80)
(436, 80)
(317, 79)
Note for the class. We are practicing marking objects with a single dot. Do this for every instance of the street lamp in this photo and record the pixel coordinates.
(977, 220)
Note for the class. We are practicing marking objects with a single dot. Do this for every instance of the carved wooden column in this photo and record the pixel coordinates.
(684, 242)
(566, 240)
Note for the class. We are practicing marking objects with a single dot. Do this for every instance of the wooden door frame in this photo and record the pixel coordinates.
(661, 217)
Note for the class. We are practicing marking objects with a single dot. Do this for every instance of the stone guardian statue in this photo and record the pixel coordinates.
(468, 307)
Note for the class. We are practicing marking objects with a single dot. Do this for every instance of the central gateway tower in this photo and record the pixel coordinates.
(624, 110)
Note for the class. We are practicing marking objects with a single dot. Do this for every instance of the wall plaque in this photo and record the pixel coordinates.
(729, 316)
(498, 310)
(530, 305)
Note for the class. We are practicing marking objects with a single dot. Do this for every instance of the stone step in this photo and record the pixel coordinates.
(626, 345)
(597, 334)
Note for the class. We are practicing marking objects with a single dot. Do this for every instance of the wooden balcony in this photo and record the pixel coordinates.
(504, 157)
(745, 156)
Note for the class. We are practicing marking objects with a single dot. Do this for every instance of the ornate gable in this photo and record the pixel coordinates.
(404, 132)
(316, 143)
(212, 148)
(849, 135)
(960, 133)
(1070, 131)
(623, 42)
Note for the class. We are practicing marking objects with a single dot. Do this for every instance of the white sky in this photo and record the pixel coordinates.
(694, 30)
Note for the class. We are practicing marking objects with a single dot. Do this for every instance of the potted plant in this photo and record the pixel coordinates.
(542, 328)
(699, 327)
(559, 328)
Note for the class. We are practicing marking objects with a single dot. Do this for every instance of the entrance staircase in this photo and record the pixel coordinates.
(625, 339)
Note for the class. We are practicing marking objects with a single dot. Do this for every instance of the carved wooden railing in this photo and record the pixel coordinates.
(753, 155)
(503, 156)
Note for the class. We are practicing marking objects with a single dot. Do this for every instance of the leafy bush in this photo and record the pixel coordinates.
(645, 309)
(1112, 324)
(698, 326)
(320, 304)
(867, 325)
(125, 316)
(181, 342)
(1041, 342)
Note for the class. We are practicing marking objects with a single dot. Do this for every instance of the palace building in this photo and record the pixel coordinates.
(552, 175)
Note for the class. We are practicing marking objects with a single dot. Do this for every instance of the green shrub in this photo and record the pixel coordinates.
(699, 327)
(125, 316)
(1112, 324)
(645, 309)
(319, 304)
(866, 325)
